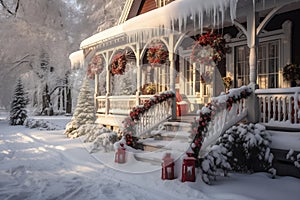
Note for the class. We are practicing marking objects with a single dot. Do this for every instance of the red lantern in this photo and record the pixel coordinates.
(188, 169)
(167, 171)
(120, 156)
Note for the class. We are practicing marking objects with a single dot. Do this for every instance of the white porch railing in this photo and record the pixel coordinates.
(279, 105)
(153, 117)
(121, 105)
(225, 116)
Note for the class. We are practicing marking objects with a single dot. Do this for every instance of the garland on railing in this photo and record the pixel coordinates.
(207, 113)
(134, 116)
(118, 64)
(95, 66)
(210, 39)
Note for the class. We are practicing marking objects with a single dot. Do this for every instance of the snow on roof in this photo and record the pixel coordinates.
(77, 59)
(177, 12)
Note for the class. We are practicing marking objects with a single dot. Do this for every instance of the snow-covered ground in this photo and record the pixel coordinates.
(39, 164)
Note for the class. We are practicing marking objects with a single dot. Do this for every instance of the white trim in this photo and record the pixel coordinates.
(125, 12)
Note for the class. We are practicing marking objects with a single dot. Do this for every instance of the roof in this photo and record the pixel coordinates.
(178, 12)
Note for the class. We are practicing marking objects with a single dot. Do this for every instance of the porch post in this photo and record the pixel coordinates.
(253, 103)
(108, 88)
(172, 73)
(96, 93)
(138, 74)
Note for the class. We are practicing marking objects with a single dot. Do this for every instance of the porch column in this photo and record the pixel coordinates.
(108, 80)
(96, 93)
(253, 103)
(138, 74)
(172, 73)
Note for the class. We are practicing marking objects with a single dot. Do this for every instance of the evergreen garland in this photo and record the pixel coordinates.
(18, 113)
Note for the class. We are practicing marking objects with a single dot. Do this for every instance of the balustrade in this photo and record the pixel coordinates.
(279, 105)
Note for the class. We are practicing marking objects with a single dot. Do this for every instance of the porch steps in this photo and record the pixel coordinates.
(172, 137)
(282, 142)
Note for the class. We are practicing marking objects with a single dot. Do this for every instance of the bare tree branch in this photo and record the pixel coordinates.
(8, 10)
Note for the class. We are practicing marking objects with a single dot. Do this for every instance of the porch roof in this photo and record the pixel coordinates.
(175, 16)
(179, 12)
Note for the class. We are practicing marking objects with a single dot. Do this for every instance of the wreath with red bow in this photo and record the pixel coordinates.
(210, 39)
(157, 53)
(118, 64)
(95, 66)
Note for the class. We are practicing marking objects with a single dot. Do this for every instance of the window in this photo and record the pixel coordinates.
(267, 64)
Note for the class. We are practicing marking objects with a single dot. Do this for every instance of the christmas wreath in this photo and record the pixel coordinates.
(157, 54)
(95, 66)
(291, 72)
(118, 64)
(209, 46)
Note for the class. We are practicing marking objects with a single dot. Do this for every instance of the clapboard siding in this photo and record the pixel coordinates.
(147, 6)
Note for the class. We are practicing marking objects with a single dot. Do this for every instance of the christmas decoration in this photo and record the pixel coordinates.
(188, 168)
(206, 115)
(118, 64)
(18, 113)
(157, 54)
(120, 156)
(227, 81)
(95, 67)
(130, 122)
(167, 171)
(209, 47)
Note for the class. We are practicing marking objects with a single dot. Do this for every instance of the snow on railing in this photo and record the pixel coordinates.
(216, 117)
(144, 117)
(279, 105)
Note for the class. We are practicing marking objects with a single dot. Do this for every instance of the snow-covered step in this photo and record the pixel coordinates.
(285, 140)
(156, 157)
(150, 144)
(177, 126)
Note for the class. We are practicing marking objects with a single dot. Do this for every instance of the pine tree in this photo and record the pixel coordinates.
(18, 113)
(84, 113)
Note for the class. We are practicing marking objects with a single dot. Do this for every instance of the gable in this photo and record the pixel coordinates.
(139, 7)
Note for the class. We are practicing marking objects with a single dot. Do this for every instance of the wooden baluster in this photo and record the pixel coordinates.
(264, 109)
(290, 109)
(279, 108)
(269, 108)
(274, 108)
(284, 108)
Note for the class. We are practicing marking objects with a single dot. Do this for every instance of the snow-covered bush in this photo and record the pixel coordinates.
(291, 155)
(242, 148)
(104, 142)
(40, 124)
(215, 163)
(101, 138)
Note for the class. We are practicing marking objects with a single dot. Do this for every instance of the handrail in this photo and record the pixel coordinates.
(216, 117)
(145, 117)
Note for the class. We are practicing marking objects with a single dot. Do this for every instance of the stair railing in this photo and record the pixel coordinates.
(147, 116)
(216, 117)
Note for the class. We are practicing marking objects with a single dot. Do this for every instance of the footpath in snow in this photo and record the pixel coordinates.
(39, 164)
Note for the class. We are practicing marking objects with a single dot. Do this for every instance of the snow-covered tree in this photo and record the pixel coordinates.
(18, 113)
(84, 113)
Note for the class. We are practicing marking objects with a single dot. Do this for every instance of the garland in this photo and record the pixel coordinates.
(136, 112)
(118, 64)
(157, 54)
(203, 54)
(207, 114)
(95, 66)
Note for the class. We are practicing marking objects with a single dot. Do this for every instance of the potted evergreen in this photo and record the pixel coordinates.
(291, 72)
